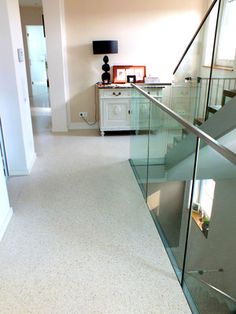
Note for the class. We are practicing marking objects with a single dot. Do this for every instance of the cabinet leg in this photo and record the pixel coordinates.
(102, 133)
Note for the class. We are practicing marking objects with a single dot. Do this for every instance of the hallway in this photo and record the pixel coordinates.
(81, 239)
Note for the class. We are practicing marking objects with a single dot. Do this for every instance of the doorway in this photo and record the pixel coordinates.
(38, 66)
(39, 89)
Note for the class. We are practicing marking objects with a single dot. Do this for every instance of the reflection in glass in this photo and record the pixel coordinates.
(211, 259)
(202, 203)
(140, 109)
(192, 200)
(170, 171)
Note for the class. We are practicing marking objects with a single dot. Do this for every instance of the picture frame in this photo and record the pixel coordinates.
(122, 72)
(131, 78)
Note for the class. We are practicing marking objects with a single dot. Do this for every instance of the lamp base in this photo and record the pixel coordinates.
(106, 76)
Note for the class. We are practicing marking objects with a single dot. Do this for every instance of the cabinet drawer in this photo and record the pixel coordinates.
(155, 92)
(115, 93)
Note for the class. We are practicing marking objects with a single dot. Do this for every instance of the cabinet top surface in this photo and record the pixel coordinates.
(128, 85)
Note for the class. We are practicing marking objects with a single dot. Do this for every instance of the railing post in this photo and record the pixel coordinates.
(148, 152)
(190, 209)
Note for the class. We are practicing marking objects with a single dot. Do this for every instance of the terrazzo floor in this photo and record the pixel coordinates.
(81, 239)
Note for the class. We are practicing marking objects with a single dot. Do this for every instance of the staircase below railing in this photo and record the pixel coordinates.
(220, 88)
(210, 299)
(168, 159)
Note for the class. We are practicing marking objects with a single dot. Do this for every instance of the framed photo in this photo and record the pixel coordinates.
(136, 73)
(131, 78)
(121, 75)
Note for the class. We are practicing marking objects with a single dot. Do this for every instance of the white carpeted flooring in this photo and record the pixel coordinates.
(81, 239)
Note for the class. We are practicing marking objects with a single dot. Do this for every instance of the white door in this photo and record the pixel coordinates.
(37, 59)
(117, 114)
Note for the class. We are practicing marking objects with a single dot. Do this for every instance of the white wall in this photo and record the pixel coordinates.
(5, 210)
(152, 33)
(55, 40)
(14, 100)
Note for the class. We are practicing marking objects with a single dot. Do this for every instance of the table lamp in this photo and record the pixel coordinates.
(105, 47)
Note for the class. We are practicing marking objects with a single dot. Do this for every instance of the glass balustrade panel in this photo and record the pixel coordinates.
(206, 299)
(191, 80)
(222, 92)
(170, 171)
(211, 255)
(140, 123)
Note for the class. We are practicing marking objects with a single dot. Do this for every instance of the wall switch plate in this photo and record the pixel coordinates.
(20, 54)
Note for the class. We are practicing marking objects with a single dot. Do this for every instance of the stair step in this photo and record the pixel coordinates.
(198, 121)
(208, 302)
(169, 146)
(177, 140)
(214, 109)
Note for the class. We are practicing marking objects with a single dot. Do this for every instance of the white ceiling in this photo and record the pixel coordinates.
(31, 3)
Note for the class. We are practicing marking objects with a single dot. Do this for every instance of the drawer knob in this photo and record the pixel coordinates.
(116, 94)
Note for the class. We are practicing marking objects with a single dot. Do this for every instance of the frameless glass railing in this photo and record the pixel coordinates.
(201, 80)
(188, 180)
(212, 232)
(140, 122)
(191, 76)
(207, 298)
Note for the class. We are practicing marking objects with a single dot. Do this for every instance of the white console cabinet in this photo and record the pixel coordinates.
(114, 104)
(114, 109)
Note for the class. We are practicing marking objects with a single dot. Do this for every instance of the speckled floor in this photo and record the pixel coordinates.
(81, 239)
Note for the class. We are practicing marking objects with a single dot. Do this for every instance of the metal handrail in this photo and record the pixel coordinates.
(216, 289)
(228, 154)
(195, 35)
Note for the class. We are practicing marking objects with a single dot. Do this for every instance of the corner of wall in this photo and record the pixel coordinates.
(5, 222)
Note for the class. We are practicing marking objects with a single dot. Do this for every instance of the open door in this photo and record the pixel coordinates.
(38, 65)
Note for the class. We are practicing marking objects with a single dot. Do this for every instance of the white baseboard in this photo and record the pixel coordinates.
(5, 222)
(82, 126)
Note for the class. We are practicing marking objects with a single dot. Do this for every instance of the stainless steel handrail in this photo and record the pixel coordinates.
(228, 154)
(195, 35)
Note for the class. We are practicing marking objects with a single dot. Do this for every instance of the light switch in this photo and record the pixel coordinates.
(20, 54)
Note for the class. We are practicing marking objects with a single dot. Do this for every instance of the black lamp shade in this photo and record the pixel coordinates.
(105, 46)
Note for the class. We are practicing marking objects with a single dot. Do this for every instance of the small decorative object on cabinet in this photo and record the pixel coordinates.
(122, 72)
(131, 78)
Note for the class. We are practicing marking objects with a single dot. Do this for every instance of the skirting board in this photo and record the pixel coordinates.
(82, 126)
(5, 223)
